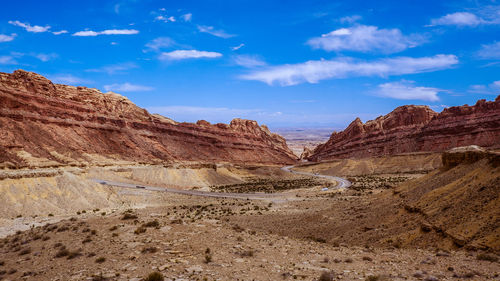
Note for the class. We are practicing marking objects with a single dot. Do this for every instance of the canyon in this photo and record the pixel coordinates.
(412, 128)
(43, 124)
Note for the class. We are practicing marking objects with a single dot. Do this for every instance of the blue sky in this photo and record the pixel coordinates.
(282, 63)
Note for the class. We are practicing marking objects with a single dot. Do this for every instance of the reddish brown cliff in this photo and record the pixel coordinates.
(413, 128)
(46, 124)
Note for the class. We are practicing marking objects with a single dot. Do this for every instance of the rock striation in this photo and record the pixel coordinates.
(44, 124)
(412, 128)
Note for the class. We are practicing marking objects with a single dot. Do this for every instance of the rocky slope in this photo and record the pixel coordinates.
(413, 128)
(46, 125)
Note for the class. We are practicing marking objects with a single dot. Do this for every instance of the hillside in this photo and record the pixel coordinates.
(49, 125)
(412, 128)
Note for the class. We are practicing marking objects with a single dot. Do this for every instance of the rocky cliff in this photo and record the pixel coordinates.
(413, 128)
(44, 124)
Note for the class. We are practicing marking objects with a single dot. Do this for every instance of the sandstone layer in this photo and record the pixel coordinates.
(412, 128)
(48, 125)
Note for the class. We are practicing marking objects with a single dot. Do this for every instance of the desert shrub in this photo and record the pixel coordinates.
(208, 255)
(93, 232)
(86, 240)
(51, 215)
(326, 276)
(372, 278)
(348, 260)
(74, 254)
(154, 223)
(154, 276)
(129, 216)
(63, 252)
(149, 250)
(100, 260)
(25, 251)
(140, 230)
(113, 228)
(367, 259)
(487, 257)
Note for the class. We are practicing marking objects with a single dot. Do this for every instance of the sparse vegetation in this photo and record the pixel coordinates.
(140, 230)
(100, 260)
(154, 276)
(487, 257)
(326, 276)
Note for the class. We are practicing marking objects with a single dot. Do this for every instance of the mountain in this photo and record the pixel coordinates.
(412, 128)
(43, 124)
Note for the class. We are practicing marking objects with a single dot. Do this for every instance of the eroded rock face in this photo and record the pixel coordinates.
(45, 124)
(413, 128)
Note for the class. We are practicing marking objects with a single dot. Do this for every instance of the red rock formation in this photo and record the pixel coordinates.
(413, 128)
(46, 124)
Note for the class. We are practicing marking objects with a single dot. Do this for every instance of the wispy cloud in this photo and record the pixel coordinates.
(67, 79)
(486, 15)
(315, 70)
(489, 51)
(187, 17)
(249, 61)
(363, 38)
(235, 48)
(459, 19)
(406, 90)
(491, 89)
(215, 32)
(60, 32)
(7, 60)
(7, 38)
(45, 57)
(350, 19)
(30, 28)
(160, 42)
(127, 87)
(188, 54)
(114, 68)
(106, 32)
(165, 18)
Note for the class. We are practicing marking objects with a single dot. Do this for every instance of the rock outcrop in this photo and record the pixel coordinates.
(44, 124)
(413, 128)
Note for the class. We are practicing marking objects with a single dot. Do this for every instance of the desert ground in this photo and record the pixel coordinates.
(295, 230)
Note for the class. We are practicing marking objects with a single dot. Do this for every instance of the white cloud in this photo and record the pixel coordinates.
(30, 28)
(235, 48)
(490, 51)
(127, 87)
(218, 33)
(350, 19)
(7, 60)
(314, 71)
(45, 57)
(106, 32)
(459, 19)
(165, 19)
(405, 90)
(187, 17)
(114, 68)
(160, 42)
(249, 61)
(7, 38)
(67, 79)
(188, 54)
(363, 38)
(60, 32)
(491, 89)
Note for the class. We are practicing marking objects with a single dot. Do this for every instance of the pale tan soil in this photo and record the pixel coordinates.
(396, 164)
(191, 225)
